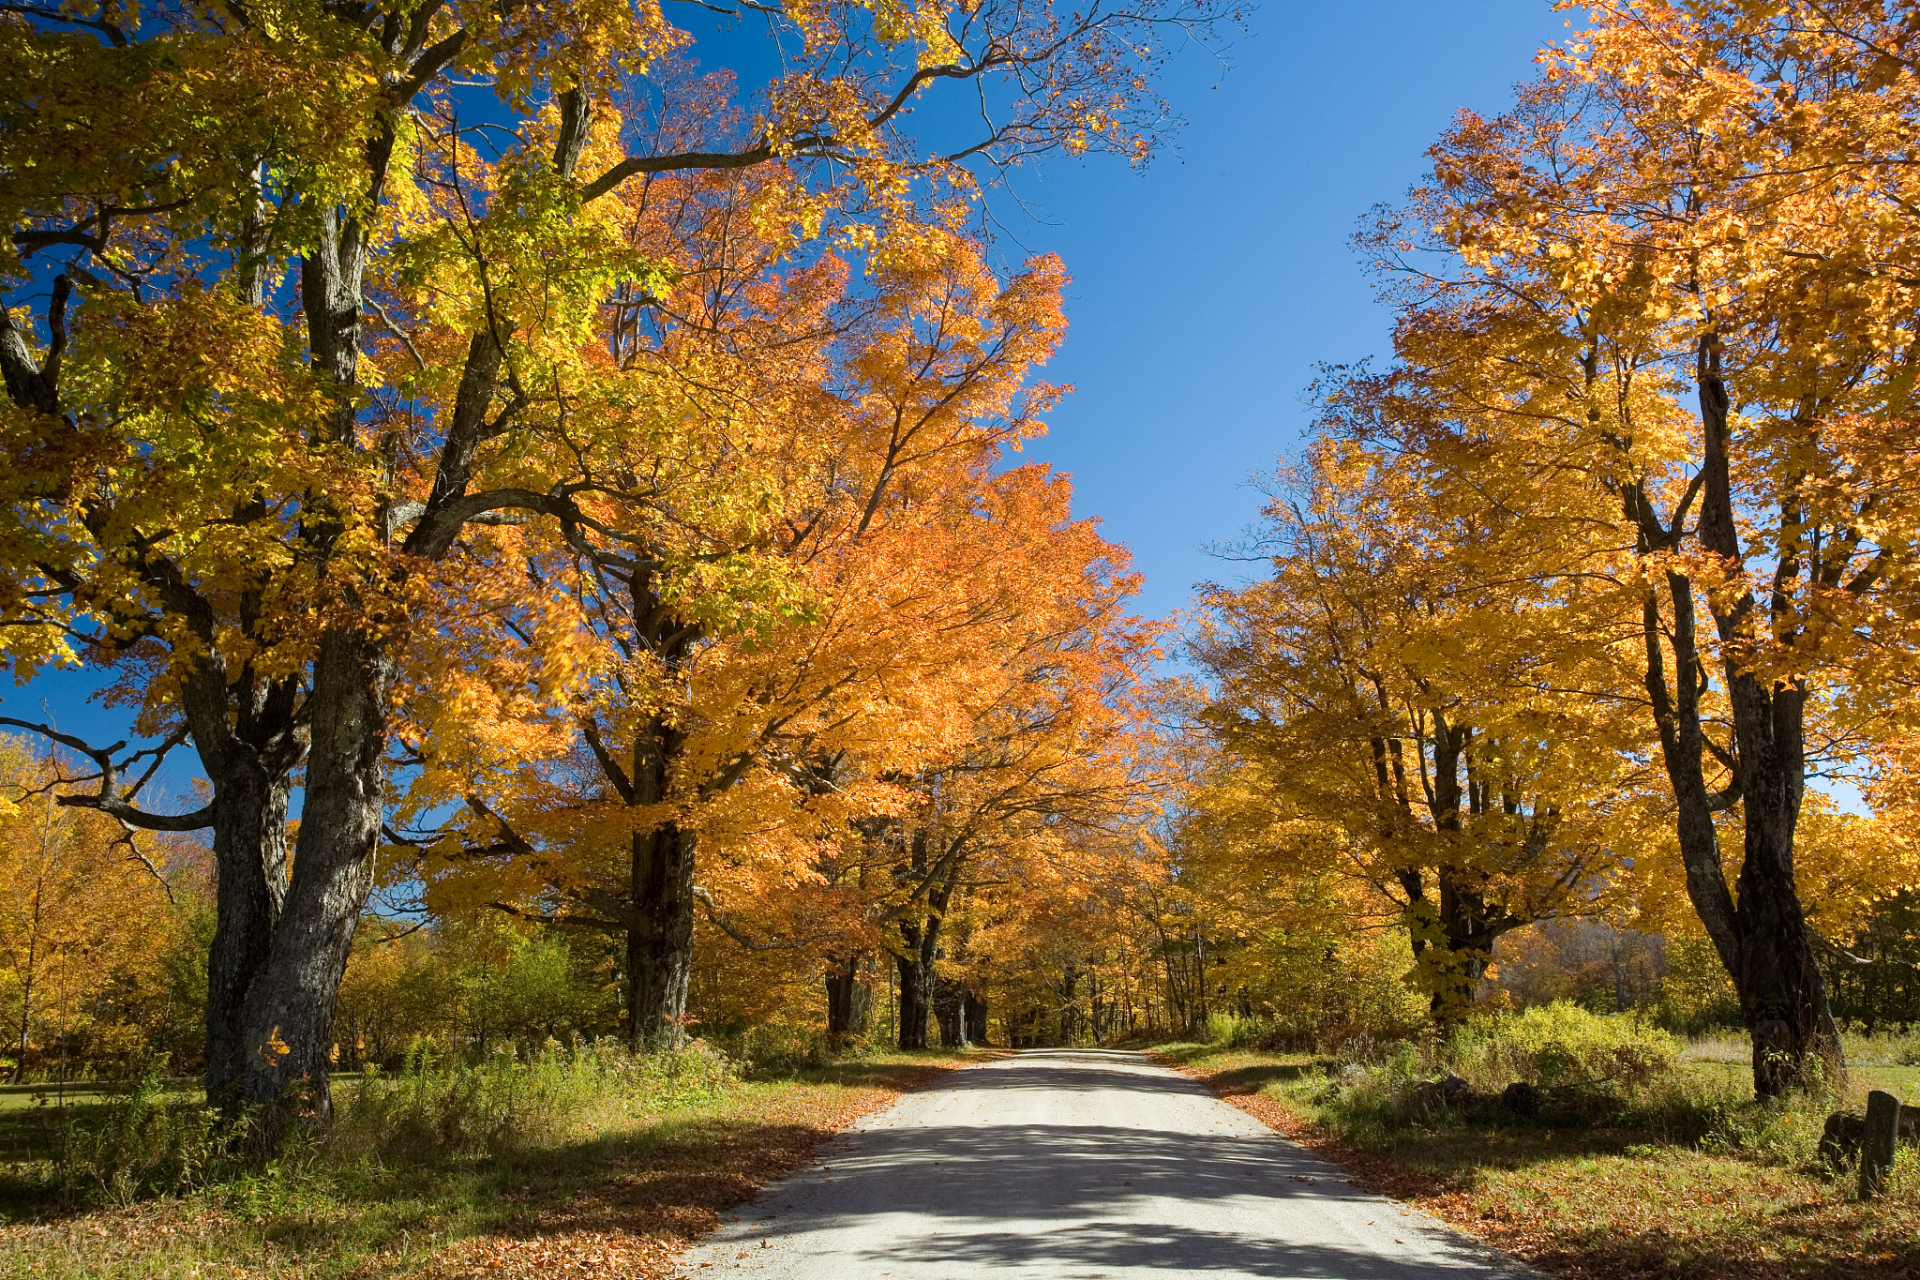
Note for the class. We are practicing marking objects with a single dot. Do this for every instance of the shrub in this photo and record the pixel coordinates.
(1564, 1045)
(141, 1144)
(508, 1102)
(1221, 1028)
(773, 1049)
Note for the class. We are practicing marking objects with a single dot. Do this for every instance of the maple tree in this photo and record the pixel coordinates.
(1393, 711)
(1656, 309)
(861, 428)
(304, 306)
(833, 773)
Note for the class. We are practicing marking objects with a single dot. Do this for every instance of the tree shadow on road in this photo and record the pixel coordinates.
(1100, 1248)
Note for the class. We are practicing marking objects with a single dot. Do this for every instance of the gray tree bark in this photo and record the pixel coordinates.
(1761, 934)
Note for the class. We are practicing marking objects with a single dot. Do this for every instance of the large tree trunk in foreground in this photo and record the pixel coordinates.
(250, 859)
(1762, 938)
(249, 741)
(660, 938)
(660, 929)
(288, 1014)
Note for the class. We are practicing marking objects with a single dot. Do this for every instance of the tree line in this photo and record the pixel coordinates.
(533, 468)
(1585, 601)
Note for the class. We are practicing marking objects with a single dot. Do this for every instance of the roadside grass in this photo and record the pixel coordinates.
(1689, 1178)
(616, 1194)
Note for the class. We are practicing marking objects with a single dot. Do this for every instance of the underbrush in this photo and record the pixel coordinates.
(1618, 1080)
(570, 1160)
(775, 1050)
(145, 1141)
(1361, 1042)
(511, 1102)
(1634, 1154)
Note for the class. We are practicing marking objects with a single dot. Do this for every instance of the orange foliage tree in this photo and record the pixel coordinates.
(1658, 313)
(1394, 709)
(87, 916)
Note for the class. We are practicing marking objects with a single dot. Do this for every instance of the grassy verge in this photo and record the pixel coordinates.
(1696, 1182)
(616, 1195)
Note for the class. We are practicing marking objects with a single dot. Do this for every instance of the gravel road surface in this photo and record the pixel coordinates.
(1077, 1163)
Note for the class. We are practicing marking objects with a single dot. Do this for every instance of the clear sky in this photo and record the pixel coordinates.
(1206, 289)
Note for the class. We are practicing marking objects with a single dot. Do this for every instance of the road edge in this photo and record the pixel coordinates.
(1378, 1174)
(838, 1123)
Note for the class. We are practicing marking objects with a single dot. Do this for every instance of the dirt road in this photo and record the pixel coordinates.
(1077, 1163)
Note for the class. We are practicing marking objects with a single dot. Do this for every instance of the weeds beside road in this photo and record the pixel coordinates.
(448, 1175)
(1681, 1175)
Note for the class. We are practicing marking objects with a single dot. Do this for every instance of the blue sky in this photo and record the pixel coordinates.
(1206, 289)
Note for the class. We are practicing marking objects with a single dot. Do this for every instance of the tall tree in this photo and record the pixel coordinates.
(1664, 277)
(862, 432)
(1391, 708)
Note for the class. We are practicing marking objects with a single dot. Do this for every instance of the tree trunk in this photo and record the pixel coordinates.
(26, 1023)
(1762, 937)
(660, 937)
(250, 868)
(1468, 930)
(915, 964)
(1783, 996)
(974, 1013)
(949, 1011)
(248, 735)
(287, 1016)
(921, 942)
(849, 1000)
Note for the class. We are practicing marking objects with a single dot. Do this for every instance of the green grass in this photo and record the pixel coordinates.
(617, 1191)
(1889, 1062)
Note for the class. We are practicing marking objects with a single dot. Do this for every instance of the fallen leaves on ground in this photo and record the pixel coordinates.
(1673, 1213)
(657, 1201)
(649, 1198)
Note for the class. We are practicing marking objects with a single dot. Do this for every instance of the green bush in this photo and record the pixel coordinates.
(509, 1102)
(1563, 1045)
(1222, 1028)
(776, 1050)
(141, 1144)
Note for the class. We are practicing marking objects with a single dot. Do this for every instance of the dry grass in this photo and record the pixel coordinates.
(614, 1204)
(1613, 1200)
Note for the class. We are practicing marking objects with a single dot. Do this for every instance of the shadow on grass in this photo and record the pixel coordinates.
(32, 1133)
(1654, 1254)
(665, 1175)
(889, 1073)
